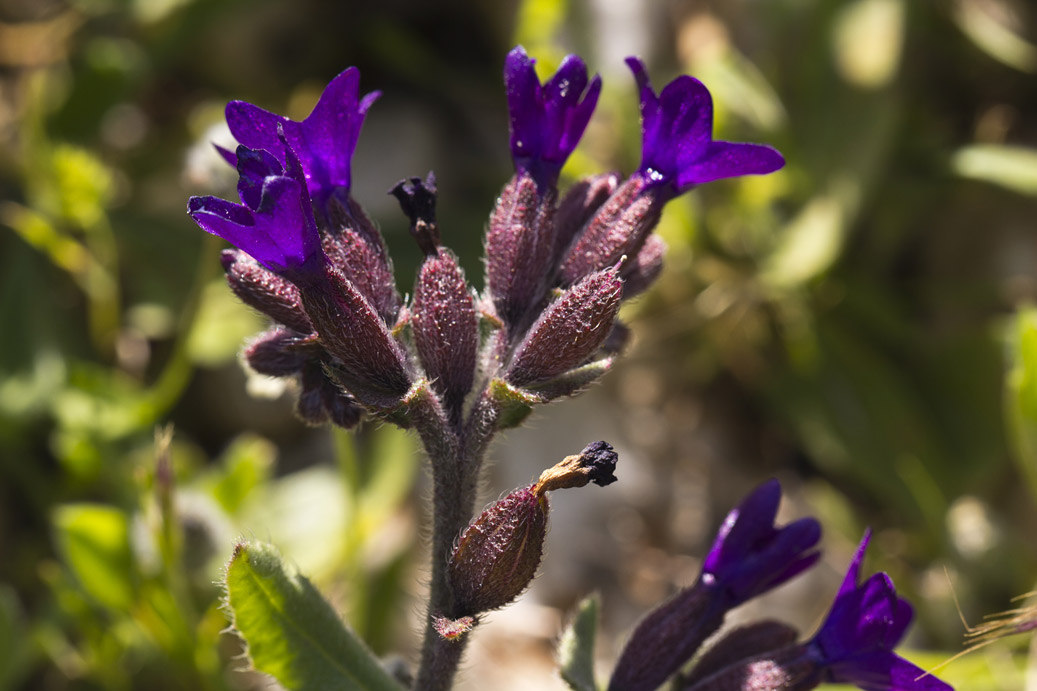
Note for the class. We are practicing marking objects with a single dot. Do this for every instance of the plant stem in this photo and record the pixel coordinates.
(455, 475)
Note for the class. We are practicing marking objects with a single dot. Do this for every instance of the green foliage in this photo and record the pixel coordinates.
(94, 543)
(292, 633)
(576, 648)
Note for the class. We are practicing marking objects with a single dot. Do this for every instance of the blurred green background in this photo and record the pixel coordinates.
(859, 325)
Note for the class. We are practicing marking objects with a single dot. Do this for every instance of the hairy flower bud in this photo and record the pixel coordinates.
(279, 352)
(618, 228)
(498, 554)
(738, 644)
(369, 272)
(374, 368)
(783, 669)
(446, 330)
(262, 289)
(579, 204)
(519, 247)
(643, 270)
(569, 331)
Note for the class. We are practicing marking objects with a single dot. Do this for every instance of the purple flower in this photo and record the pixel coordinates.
(274, 223)
(750, 555)
(324, 141)
(547, 121)
(855, 643)
(678, 149)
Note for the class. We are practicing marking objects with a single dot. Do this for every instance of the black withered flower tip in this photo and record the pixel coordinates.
(600, 459)
(418, 200)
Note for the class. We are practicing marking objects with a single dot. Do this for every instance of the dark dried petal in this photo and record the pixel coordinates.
(373, 367)
(579, 204)
(519, 247)
(618, 228)
(643, 270)
(418, 201)
(262, 289)
(569, 331)
(369, 271)
(446, 330)
(310, 405)
(342, 409)
(498, 554)
(599, 458)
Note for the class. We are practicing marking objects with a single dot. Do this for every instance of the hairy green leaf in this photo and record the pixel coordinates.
(576, 649)
(292, 633)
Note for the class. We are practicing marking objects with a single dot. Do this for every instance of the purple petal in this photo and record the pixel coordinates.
(744, 525)
(254, 166)
(885, 671)
(255, 128)
(730, 159)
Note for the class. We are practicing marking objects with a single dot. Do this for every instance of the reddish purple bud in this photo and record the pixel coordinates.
(279, 352)
(644, 269)
(618, 229)
(783, 669)
(738, 644)
(569, 331)
(578, 206)
(446, 330)
(373, 367)
(498, 553)
(262, 289)
(322, 401)
(366, 268)
(519, 245)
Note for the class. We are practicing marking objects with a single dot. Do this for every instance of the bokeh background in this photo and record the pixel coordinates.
(859, 325)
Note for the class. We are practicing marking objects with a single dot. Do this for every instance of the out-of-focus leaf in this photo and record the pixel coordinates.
(1001, 42)
(813, 240)
(1021, 394)
(867, 39)
(246, 464)
(576, 649)
(83, 186)
(538, 24)
(12, 637)
(291, 632)
(93, 541)
(307, 512)
(1013, 167)
(28, 393)
(221, 326)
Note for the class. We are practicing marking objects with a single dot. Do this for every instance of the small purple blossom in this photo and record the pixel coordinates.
(274, 223)
(855, 643)
(750, 555)
(547, 121)
(324, 141)
(678, 150)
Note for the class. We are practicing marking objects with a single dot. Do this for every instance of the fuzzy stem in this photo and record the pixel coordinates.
(456, 459)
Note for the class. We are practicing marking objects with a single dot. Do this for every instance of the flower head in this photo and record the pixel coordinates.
(547, 120)
(274, 223)
(678, 149)
(324, 141)
(750, 555)
(855, 643)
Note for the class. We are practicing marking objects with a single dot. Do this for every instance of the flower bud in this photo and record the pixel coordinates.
(519, 248)
(321, 401)
(783, 669)
(643, 270)
(446, 331)
(262, 289)
(618, 228)
(498, 554)
(569, 331)
(280, 352)
(579, 204)
(373, 367)
(369, 272)
(741, 643)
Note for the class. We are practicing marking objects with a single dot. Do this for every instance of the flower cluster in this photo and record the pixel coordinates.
(750, 556)
(557, 266)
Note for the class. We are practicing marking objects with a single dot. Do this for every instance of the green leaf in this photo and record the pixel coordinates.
(246, 464)
(1012, 167)
(514, 404)
(576, 649)
(93, 541)
(291, 632)
(1021, 393)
